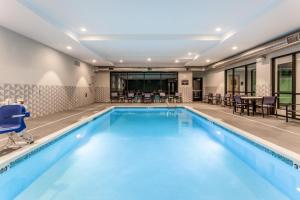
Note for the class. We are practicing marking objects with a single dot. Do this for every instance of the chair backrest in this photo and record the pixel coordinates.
(237, 99)
(130, 94)
(114, 94)
(162, 94)
(269, 100)
(210, 95)
(9, 116)
(228, 95)
(218, 96)
(147, 95)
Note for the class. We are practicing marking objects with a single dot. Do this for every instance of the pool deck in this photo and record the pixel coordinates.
(270, 128)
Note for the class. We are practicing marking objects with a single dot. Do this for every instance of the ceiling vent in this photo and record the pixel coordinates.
(77, 63)
(293, 38)
(149, 69)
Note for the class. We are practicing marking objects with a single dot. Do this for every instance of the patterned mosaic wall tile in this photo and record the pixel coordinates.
(45, 99)
(187, 94)
(102, 94)
(263, 90)
(186, 90)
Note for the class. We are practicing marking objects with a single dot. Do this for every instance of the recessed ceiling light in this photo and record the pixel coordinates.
(94, 61)
(68, 47)
(121, 61)
(196, 57)
(83, 29)
(207, 60)
(176, 61)
(149, 59)
(218, 29)
(190, 53)
(234, 48)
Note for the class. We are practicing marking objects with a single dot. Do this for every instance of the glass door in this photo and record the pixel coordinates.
(229, 82)
(239, 81)
(298, 82)
(251, 80)
(284, 87)
(197, 89)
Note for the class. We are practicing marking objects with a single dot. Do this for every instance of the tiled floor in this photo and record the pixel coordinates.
(272, 129)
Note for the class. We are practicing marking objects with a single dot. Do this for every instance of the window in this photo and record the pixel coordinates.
(241, 80)
(297, 95)
(286, 75)
(124, 82)
(229, 81)
(251, 80)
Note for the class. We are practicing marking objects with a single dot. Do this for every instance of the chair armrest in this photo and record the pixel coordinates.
(18, 116)
(26, 114)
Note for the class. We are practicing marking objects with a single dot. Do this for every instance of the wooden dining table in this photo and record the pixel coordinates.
(253, 100)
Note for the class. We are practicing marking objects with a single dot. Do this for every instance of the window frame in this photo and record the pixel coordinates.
(246, 92)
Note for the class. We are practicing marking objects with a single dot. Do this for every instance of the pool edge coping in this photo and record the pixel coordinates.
(265, 143)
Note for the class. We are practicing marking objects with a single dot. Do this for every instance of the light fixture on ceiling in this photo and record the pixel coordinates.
(68, 47)
(234, 48)
(121, 61)
(218, 29)
(196, 57)
(190, 53)
(208, 61)
(94, 61)
(83, 29)
(149, 59)
(176, 61)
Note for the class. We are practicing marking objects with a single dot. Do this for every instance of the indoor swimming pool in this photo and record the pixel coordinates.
(151, 153)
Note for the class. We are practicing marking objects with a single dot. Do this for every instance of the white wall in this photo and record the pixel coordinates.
(26, 61)
(46, 79)
(213, 82)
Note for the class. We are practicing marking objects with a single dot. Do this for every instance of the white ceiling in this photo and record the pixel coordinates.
(164, 30)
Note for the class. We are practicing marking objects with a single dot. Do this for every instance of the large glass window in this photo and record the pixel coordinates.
(298, 81)
(251, 79)
(118, 82)
(284, 79)
(135, 82)
(229, 81)
(138, 82)
(241, 80)
(284, 83)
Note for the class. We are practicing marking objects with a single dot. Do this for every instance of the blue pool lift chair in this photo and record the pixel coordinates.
(12, 123)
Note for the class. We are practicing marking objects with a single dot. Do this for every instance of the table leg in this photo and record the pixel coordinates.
(253, 107)
(247, 107)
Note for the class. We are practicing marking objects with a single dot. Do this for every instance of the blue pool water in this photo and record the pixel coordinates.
(151, 154)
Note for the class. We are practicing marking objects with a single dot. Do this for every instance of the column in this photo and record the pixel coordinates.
(102, 87)
(263, 77)
(185, 86)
